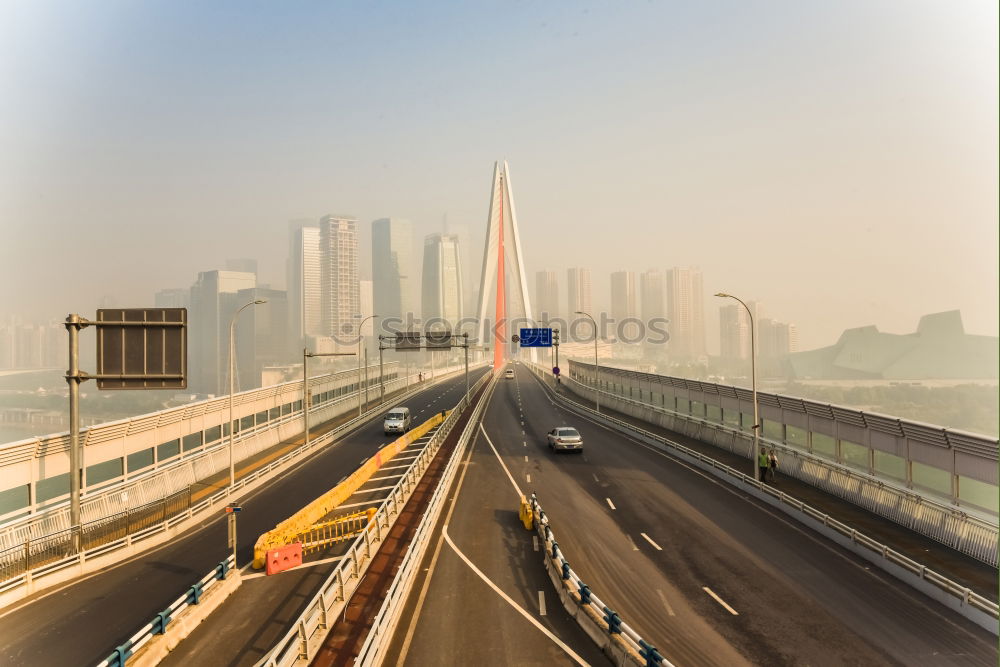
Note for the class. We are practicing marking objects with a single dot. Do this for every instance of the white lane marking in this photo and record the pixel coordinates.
(720, 600)
(506, 598)
(525, 458)
(634, 548)
(655, 545)
(497, 454)
(611, 504)
(595, 478)
(534, 542)
(541, 603)
(670, 610)
(525, 442)
(528, 479)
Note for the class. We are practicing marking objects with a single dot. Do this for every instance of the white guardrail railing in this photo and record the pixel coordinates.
(158, 625)
(623, 643)
(300, 644)
(28, 581)
(921, 513)
(974, 606)
(373, 650)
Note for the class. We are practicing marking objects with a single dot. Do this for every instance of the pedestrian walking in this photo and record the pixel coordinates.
(763, 463)
(772, 466)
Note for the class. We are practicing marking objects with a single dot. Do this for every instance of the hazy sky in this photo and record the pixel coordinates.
(835, 160)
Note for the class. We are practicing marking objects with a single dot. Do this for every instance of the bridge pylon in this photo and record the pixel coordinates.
(502, 251)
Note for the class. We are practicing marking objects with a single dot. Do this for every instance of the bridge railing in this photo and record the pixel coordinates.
(300, 644)
(974, 535)
(623, 643)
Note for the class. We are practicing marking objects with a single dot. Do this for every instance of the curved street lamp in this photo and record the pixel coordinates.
(361, 338)
(597, 367)
(232, 384)
(753, 381)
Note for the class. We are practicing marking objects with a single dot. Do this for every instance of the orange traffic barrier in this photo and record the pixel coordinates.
(284, 558)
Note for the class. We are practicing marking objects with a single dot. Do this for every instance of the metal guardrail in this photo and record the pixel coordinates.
(962, 594)
(582, 595)
(19, 578)
(158, 625)
(385, 620)
(311, 627)
(923, 514)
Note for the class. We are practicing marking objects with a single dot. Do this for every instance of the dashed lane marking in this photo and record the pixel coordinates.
(720, 600)
(648, 539)
(611, 504)
(541, 603)
(528, 478)
(634, 548)
(663, 598)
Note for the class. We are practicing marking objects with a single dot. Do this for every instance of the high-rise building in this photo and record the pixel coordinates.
(303, 280)
(392, 269)
(734, 332)
(172, 298)
(546, 295)
(623, 305)
(623, 295)
(777, 338)
(367, 301)
(469, 271)
(686, 312)
(652, 303)
(214, 301)
(442, 279)
(578, 291)
(339, 293)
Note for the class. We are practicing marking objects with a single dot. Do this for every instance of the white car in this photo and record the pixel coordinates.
(565, 439)
(509, 374)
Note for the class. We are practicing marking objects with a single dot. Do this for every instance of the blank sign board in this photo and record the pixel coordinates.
(141, 348)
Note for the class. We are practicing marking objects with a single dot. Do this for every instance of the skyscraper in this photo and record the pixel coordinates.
(651, 300)
(303, 279)
(578, 290)
(392, 268)
(734, 332)
(442, 279)
(340, 295)
(367, 302)
(623, 301)
(213, 302)
(546, 295)
(686, 312)
(262, 335)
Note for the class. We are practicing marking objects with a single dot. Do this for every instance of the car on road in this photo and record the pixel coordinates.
(564, 439)
(397, 420)
(509, 374)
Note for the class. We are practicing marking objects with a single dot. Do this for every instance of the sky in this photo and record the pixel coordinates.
(836, 161)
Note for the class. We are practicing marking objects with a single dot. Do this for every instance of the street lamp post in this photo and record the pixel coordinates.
(753, 384)
(232, 384)
(361, 338)
(597, 367)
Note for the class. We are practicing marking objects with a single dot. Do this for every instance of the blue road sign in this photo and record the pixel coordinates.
(536, 337)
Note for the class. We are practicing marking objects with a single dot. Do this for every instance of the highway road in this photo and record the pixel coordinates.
(80, 623)
(703, 571)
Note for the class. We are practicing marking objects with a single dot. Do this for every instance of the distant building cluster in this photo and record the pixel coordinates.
(326, 300)
(29, 346)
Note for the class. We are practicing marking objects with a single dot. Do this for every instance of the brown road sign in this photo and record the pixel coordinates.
(141, 348)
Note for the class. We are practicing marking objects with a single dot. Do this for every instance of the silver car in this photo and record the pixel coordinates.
(565, 438)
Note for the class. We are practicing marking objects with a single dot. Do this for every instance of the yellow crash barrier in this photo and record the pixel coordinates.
(289, 530)
(526, 514)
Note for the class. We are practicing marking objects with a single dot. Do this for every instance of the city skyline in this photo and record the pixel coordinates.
(744, 151)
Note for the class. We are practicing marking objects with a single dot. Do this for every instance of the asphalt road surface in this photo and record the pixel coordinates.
(82, 622)
(703, 571)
